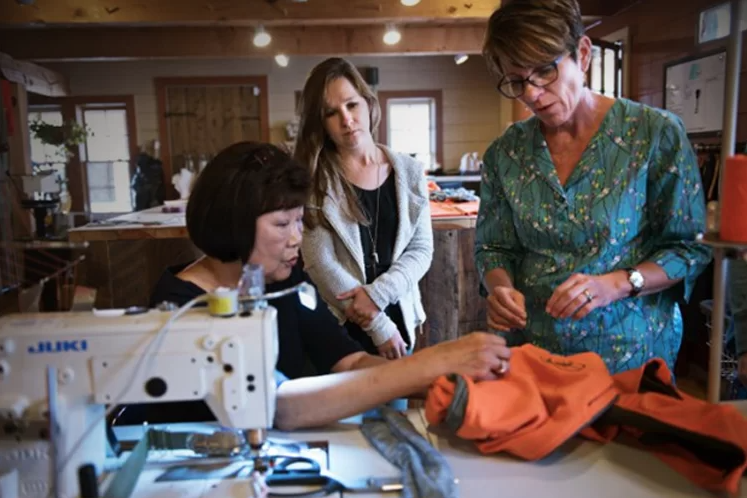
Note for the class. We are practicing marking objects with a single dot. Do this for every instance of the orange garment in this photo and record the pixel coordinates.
(545, 399)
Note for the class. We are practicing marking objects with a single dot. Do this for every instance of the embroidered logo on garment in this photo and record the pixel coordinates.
(564, 364)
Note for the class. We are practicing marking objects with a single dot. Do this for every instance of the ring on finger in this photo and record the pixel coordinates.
(589, 295)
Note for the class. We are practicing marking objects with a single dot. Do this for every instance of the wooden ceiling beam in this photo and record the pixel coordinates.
(237, 12)
(56, 44)
(130, 13)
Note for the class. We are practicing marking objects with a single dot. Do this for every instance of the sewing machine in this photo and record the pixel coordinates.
(52, 426)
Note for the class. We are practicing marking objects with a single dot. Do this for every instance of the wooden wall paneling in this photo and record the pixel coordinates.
(196, 101)
(229, 130)
(178, 132)
(250, 114)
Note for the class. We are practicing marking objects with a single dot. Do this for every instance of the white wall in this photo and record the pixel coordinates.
(474, 113)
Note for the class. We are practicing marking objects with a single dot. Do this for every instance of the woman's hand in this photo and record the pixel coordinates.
(580, 294)
(361, 309)
(478, 355)
(393, 348)
(506, 309)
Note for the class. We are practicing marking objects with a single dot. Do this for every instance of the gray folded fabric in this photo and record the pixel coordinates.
(425, 471)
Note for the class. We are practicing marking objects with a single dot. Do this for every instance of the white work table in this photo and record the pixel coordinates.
(580, 468)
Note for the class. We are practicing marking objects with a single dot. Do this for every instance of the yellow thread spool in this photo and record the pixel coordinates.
(223, 302)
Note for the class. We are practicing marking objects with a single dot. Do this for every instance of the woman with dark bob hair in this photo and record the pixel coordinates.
(590, 208)
(247, 205)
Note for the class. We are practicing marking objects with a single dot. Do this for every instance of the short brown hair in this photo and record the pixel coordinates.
(243, 182)
(531, 33)
(314, 149)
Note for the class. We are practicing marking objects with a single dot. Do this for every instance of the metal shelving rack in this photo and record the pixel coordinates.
(722, 252)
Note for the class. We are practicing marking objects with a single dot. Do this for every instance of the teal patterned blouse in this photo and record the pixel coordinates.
(636, 195)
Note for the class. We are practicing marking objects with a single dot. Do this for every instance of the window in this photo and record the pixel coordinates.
(605, 71)
(107, 159)
(411, 124)
(45, 157)
(97, 173)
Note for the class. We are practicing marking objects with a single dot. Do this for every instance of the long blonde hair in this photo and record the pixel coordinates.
(316, 150)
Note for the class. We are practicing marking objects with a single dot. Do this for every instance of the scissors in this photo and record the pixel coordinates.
(313, 475)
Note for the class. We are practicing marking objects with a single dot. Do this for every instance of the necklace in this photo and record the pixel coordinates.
(375, 235)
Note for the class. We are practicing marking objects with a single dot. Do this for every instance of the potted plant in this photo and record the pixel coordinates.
(67, 135)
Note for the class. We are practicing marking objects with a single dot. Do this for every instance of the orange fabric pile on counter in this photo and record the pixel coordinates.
(546, 399)
(451, 209)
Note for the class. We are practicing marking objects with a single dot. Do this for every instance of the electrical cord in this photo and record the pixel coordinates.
(146, 354)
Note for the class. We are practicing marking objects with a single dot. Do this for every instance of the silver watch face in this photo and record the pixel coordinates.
(636, 280)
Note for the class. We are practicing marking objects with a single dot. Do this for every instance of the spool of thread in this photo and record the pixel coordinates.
(223, 302)
(733, 203)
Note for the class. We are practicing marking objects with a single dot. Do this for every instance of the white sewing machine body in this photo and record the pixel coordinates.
(102, 360)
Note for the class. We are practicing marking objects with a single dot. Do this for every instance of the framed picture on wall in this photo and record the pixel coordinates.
(714, 23)
(694, 90)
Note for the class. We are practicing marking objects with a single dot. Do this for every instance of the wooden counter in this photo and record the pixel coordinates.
(127, 255)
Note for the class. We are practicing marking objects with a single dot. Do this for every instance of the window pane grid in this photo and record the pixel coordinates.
(411, 128)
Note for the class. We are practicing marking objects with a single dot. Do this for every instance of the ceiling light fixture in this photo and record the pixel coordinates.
(460, 58)
(392, 36)
(409, 3)
(261, 37)
(282, 60)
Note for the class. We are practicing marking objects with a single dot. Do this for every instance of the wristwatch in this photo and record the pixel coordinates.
(636, 280)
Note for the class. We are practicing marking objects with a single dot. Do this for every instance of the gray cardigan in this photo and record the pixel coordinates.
(335, 262)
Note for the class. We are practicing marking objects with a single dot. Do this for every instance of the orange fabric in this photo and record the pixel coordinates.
(721, 422)
(450, 209)
(546, 399)
(542, 402)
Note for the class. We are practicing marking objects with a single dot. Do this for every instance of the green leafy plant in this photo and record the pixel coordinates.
(69, 134)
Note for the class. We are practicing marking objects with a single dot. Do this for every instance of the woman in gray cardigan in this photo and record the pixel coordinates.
(368, 239)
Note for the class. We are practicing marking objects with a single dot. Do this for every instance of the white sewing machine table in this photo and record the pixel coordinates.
(580, 468)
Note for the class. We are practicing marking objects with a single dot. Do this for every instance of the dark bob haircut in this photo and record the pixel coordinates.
(243, 182)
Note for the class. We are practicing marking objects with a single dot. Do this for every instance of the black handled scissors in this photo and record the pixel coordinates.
(311, 474)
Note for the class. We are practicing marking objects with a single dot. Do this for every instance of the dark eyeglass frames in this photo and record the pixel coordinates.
(513, 87)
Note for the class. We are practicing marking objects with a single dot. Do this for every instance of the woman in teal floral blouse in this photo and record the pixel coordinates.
(590, 208)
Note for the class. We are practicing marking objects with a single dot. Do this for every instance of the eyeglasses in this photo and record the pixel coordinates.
(541, 77)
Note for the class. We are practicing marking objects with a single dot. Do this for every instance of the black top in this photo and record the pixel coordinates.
(384, 231)
(303, 334)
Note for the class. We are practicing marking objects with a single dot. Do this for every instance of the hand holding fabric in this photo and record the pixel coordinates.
(478, 355)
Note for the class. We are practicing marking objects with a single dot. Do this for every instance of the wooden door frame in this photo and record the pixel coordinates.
(163, 130)
(436, 95)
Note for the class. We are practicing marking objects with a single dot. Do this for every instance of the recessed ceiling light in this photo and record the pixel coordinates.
(461, 58)
(409, 3)
(282, 60)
